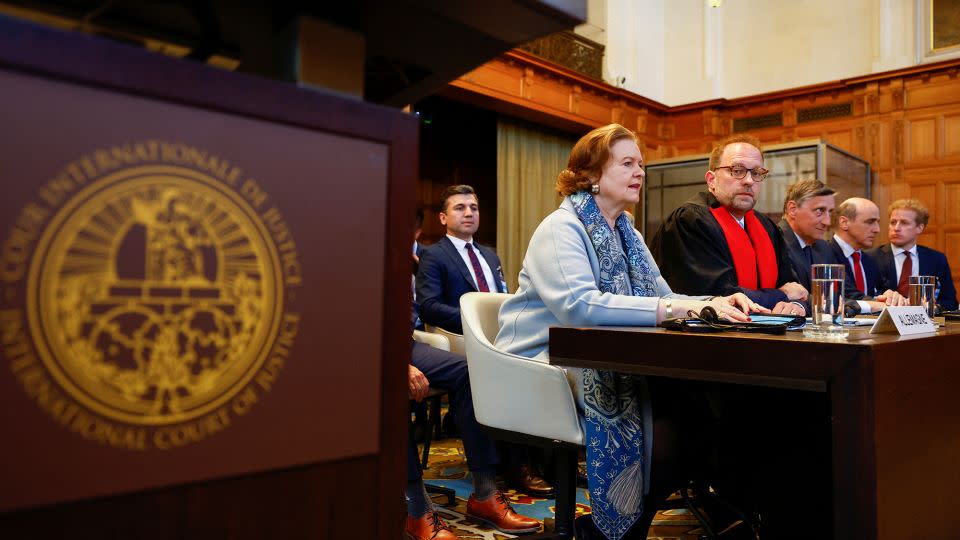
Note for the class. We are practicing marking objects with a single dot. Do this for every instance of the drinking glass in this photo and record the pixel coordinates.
(923, 293)
(826, 301)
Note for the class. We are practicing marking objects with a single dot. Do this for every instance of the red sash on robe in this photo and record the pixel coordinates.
(749, 252)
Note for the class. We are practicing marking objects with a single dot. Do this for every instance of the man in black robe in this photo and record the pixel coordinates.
(692, 249)
(772, 446)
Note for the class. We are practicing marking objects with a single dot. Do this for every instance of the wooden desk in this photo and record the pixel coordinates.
(896, 435)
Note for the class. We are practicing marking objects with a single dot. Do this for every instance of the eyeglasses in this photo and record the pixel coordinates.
(739, 172)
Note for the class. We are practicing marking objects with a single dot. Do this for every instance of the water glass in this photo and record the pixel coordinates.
(826, 301)
(923, 293)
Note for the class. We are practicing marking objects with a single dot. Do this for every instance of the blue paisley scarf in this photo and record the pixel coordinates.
(614, 426)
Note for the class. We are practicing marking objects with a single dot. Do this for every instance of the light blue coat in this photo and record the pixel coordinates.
(558, 287)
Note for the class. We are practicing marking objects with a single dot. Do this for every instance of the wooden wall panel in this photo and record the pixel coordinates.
(930, 90)
(952, 243)
(906, 123)
(951, 201)
(927, 194)
(549, 95)
(842, 139)
(884, 157)
(593, 107)
(922, 137)
(525, 86)
(951, 136)
(769, 135)
(502, 77)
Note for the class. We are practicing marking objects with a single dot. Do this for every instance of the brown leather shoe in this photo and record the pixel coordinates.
(428, 527)
(498, 513)
(523, 479)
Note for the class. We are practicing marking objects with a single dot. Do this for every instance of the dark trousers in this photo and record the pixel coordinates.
(448, 371)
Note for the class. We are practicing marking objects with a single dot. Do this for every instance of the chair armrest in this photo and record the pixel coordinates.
(517, 394)
(456, 340)
(434, 340)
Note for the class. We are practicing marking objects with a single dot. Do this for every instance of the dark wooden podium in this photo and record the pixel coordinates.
(893, 401)
(219, 212)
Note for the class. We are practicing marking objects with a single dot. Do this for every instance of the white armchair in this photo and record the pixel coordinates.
(522, 399)
(434, 340)
(455, 340)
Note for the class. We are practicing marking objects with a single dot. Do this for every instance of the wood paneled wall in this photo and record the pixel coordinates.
(906, 123)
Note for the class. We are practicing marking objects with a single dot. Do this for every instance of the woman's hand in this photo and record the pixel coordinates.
(736, 307)
(732, 308)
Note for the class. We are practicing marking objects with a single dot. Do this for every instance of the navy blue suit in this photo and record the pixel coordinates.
(932, 263)
(871, 284)
(448, 371)
(819, 251)
(443, 277)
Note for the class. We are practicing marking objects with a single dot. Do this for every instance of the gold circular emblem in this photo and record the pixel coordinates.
(154, 295)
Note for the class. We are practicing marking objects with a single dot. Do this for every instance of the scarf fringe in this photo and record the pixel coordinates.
(625, 493)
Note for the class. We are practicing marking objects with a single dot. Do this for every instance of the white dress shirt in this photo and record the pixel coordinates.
(487, 273)
(898, 260)
(848, 252)
(800, 241)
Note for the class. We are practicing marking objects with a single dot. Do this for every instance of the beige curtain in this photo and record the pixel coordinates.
(528, 162)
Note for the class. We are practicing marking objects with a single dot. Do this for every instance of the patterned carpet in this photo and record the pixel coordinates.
(447, 468)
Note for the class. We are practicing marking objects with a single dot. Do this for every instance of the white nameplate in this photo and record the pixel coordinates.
(903, 320)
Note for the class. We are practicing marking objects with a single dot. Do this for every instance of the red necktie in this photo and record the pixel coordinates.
(903, 286)
(477, 270)
(858, 271)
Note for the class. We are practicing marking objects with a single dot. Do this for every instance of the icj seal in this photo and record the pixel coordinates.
(154, 296)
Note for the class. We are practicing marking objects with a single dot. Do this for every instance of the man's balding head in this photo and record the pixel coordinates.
(858, 222)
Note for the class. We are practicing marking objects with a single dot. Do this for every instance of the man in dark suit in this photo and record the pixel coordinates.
(807, 211)
(903, 257)
(858, 223)
(431, 367)
(456, 264)
(453, 267)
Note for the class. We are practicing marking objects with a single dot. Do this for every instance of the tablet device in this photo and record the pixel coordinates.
(791, 321)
